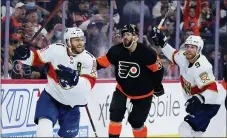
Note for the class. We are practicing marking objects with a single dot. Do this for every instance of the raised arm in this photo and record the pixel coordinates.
(34, 57)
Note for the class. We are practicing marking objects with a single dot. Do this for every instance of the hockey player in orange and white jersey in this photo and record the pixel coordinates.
(197, 80)
(71, 75)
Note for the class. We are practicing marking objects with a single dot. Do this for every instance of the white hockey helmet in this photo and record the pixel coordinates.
(72, 32)
(197, 41)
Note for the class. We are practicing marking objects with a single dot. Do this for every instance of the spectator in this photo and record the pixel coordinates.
(84, 12)
(191, 16)
(206, 19)
(211, 59)
(185, 35)
(32, 17)
(157, 20)
(96, 41)
(116, 37)
(223, 16)
(57, 19)
(12, 46)
(156, 11)
(131, 13)
(31, 4)
(15, 23)
(3, 8)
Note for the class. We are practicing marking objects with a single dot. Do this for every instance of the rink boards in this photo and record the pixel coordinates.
(167, 112)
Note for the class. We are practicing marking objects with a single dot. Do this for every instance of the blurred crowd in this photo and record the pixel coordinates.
(93, 17)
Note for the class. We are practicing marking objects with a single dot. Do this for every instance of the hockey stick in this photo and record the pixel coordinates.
(48, 19)
(166, 14)
(91, 121)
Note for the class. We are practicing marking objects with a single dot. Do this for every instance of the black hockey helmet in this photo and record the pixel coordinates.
(130, 28)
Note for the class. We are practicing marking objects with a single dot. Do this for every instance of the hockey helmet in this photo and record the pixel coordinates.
(130, 28)
(197, 41)
(73, 32)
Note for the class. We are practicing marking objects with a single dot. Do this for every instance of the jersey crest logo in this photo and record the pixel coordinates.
(192, 24)
(204, 77)
(187, 86)
(126, 69)
(64, 84)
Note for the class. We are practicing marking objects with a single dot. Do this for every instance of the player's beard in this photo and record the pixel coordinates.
(78, 49)
(127, 43)
(190, 56)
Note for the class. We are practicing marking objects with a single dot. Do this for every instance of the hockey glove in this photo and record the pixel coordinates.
(67, 76)
(158, 37)
(194, 103)
(159, 91)
(22, 52)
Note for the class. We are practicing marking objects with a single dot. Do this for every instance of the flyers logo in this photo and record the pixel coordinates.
(192, 24)
(126, 69)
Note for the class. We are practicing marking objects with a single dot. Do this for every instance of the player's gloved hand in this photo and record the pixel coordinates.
(159, 91)
(194, 103)
(158, 37)
(22, 52)
(67, 75)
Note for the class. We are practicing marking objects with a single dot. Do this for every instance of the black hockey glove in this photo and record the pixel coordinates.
(159, 91)
(158, 37)
(22, 52)
(194, 103)
(67, 76)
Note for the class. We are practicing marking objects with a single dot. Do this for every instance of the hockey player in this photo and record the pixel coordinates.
(137, 76)
(197, 80)
(71, 76)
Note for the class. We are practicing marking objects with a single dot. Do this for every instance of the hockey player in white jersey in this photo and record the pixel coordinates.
(197, 80)
(71, 75)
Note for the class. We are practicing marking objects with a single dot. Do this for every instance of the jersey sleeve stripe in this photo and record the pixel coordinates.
(37, 61)
(91, 79)
(155, 67)
(212, 86)
(135, 97)
(173, 59)
(196, 90)
(103, 61)
(52, 73)
(223, 83)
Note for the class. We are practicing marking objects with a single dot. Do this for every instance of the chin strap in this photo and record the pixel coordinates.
(130, 44)
(70, 50)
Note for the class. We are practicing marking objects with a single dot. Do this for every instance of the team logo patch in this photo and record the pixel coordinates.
(204, 77)
(187, 87)
(94, 68)
(126, 69)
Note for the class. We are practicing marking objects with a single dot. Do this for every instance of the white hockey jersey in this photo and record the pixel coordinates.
(198, 79)
(57, 54)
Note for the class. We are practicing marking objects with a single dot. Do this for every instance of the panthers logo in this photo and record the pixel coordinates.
(64, 84)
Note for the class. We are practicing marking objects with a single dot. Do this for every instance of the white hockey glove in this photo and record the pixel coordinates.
(194, 103)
